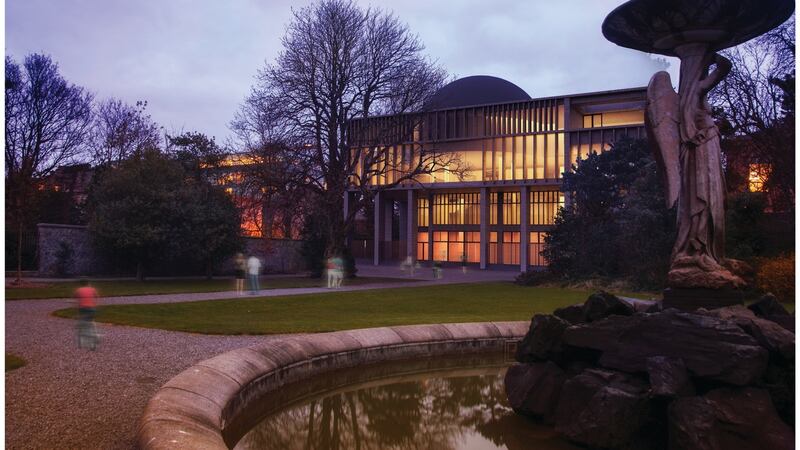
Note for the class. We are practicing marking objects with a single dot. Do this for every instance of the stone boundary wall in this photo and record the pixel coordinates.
(277, 255)
(194, 408)
(76, 237)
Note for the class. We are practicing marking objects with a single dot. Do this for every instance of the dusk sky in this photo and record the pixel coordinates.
(195, 61)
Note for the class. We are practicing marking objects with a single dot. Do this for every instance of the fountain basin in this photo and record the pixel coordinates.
(194, 409)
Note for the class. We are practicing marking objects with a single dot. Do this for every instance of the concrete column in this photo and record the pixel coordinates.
(523, 228)
(411, 225)
(484, 227)
(379, 228)
(388, 223)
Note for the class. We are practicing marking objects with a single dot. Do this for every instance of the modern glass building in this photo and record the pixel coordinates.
(512, 150)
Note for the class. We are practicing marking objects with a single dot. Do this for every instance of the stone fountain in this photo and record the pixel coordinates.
(685, 137)
(619, 375)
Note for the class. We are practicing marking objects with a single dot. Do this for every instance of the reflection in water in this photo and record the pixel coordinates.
(445, 410)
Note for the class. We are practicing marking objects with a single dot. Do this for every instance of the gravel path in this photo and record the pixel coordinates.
(67, 397)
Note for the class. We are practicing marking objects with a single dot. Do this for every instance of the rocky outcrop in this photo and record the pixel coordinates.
(614, 378)
(602, 304)
(728, 418)
(768, 307)
(543, 340)
(668, 377)
(711, 348)
(572, 314)
(602, 408)
(768, 334)
(534, 389)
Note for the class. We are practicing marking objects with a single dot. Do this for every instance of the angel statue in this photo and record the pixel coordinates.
(688, 154)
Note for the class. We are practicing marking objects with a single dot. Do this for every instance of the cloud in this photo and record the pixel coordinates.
(194, 61)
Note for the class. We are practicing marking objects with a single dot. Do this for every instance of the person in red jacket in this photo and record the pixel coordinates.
(87, 306)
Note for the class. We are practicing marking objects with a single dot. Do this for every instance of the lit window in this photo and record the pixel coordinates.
(592, 120)
(535, 247)
(422, 212)
(544, 206)
(759, 173)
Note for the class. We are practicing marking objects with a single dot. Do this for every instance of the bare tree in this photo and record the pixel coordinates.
(121, 130)
(755, 103)
(340, 63)
(47, 121)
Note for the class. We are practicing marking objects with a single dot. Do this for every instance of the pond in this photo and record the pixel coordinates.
(440, 403)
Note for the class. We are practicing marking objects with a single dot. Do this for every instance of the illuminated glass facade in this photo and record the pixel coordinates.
(512, 156)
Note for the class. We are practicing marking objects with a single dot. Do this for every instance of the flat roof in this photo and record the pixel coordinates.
(535, 99)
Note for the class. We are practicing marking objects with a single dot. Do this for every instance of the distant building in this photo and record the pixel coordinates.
(73, 179)
(515, 149)
(258, 216)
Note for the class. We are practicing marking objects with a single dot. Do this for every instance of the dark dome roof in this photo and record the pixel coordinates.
(477, 90)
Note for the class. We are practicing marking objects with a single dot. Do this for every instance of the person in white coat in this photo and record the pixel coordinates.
(253, 268)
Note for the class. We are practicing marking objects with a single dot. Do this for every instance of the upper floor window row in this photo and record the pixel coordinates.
(485, 121)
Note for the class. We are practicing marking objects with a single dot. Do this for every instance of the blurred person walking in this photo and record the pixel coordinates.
(253, 268)
(338, 274)
(241, 269)
(330, 271)
(87, 308)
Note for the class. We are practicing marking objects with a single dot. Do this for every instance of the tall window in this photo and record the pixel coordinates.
(472, 246)
(455, 246)
(440, 245)
(422, 212)
(422, 246)
(457, 209)
(494, 208)
(535, 247)
(544, 206)
(511, 247)
(511, 202)
(493, 247)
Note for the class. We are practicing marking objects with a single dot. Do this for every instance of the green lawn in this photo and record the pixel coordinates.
(110, 288)
(476, 302)
(14, 362)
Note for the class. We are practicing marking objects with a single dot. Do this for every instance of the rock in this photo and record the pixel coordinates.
(710, 348)
(787, 322)
(779, 382)
(534, 388)
(729, 418)
(572, 314)
(768, 334)
(668, 377)
(602, 408)
(767, 306)
(543, 340)
(740, 268)
(690, 276)
(655, 307)
(602, 304)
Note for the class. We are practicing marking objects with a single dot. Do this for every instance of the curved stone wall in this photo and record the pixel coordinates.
(193, 409)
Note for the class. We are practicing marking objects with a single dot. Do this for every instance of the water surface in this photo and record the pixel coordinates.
(441, 403)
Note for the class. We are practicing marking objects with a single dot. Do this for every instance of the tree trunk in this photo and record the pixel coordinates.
(209, 269)
(19, 252)
(139, 271)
